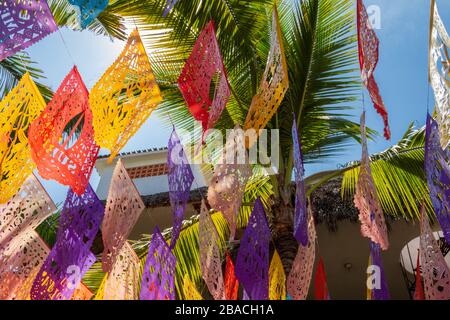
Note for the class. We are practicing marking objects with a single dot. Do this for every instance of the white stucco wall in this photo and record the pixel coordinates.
(146, 186)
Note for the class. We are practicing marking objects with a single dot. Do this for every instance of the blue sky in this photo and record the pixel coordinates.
(401, 75)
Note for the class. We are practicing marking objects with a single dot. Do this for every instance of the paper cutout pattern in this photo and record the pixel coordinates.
(277, 279)
(20, 261)
(68, 163)
(195, 79)
(158, 279)
(82, 292)
(299, 278)
(88, 10)
(375, 260)
(210, 255)
(23, 23)
(230, 177)
(320, 282)
(123, 208)
(19, 108)
(231, 283)
(169, 6)
(300, 220)
(440, 75)
(371, 215)
(434, 267)
(274, 83)
(189, 290)
(124, 97)
(252, 265)
(437, 170)
(368, 46)
(180, 181)
(25, 211)
(419, 293)
(70, 257)
(122, 283)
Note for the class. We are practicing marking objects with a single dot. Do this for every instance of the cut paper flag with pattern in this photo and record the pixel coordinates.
(210, 255)
(202, 74)
(169, 5)
(25, 211)
(190, 291)
(277, 279)
(19, 108)
(378, 289)
(435, 270)
(123, 208)
(371, 214)
(124, 97)
(122, 283)
(419, 293)
(299, 278)
(300, 217)
(439, 69)
(180, 181)
(20, 261)
(71, 256)
(368, 47)
(82, 292)
(252, 264)
(230, 280)
(158, 279)
(274, 83)
(437, 171)
(88, 10)
(320, 282)
(66, 158)
(230, 177)
(23, 23)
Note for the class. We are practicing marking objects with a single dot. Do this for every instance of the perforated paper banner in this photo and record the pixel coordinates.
(26, 210)
(88, 10)
(20, 260)
(189, 290)
(70, 257)
(124, 97)
(368, 45)
(230, 281)
(169, 6)
(437, 170)
(23, 23)
(435, 271)
(380, 290)
(210, 255)
(158, 279)
(230, 177)
(252, 264)
(123, 208)
(180, 181)
(299, 278)
(440, 74)
(300, 220)
(19, 108)
(277, 279)
(66, 158)
(82, 292)
(320, 282)
(419, 293)
(122, 282)
(274, 83)
(203, 69)
(371, 215)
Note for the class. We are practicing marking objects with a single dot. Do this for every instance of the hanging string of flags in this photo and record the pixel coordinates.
(120, 102)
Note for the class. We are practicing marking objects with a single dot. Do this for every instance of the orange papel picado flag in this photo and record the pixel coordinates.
(18, 109)
(124, 97)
